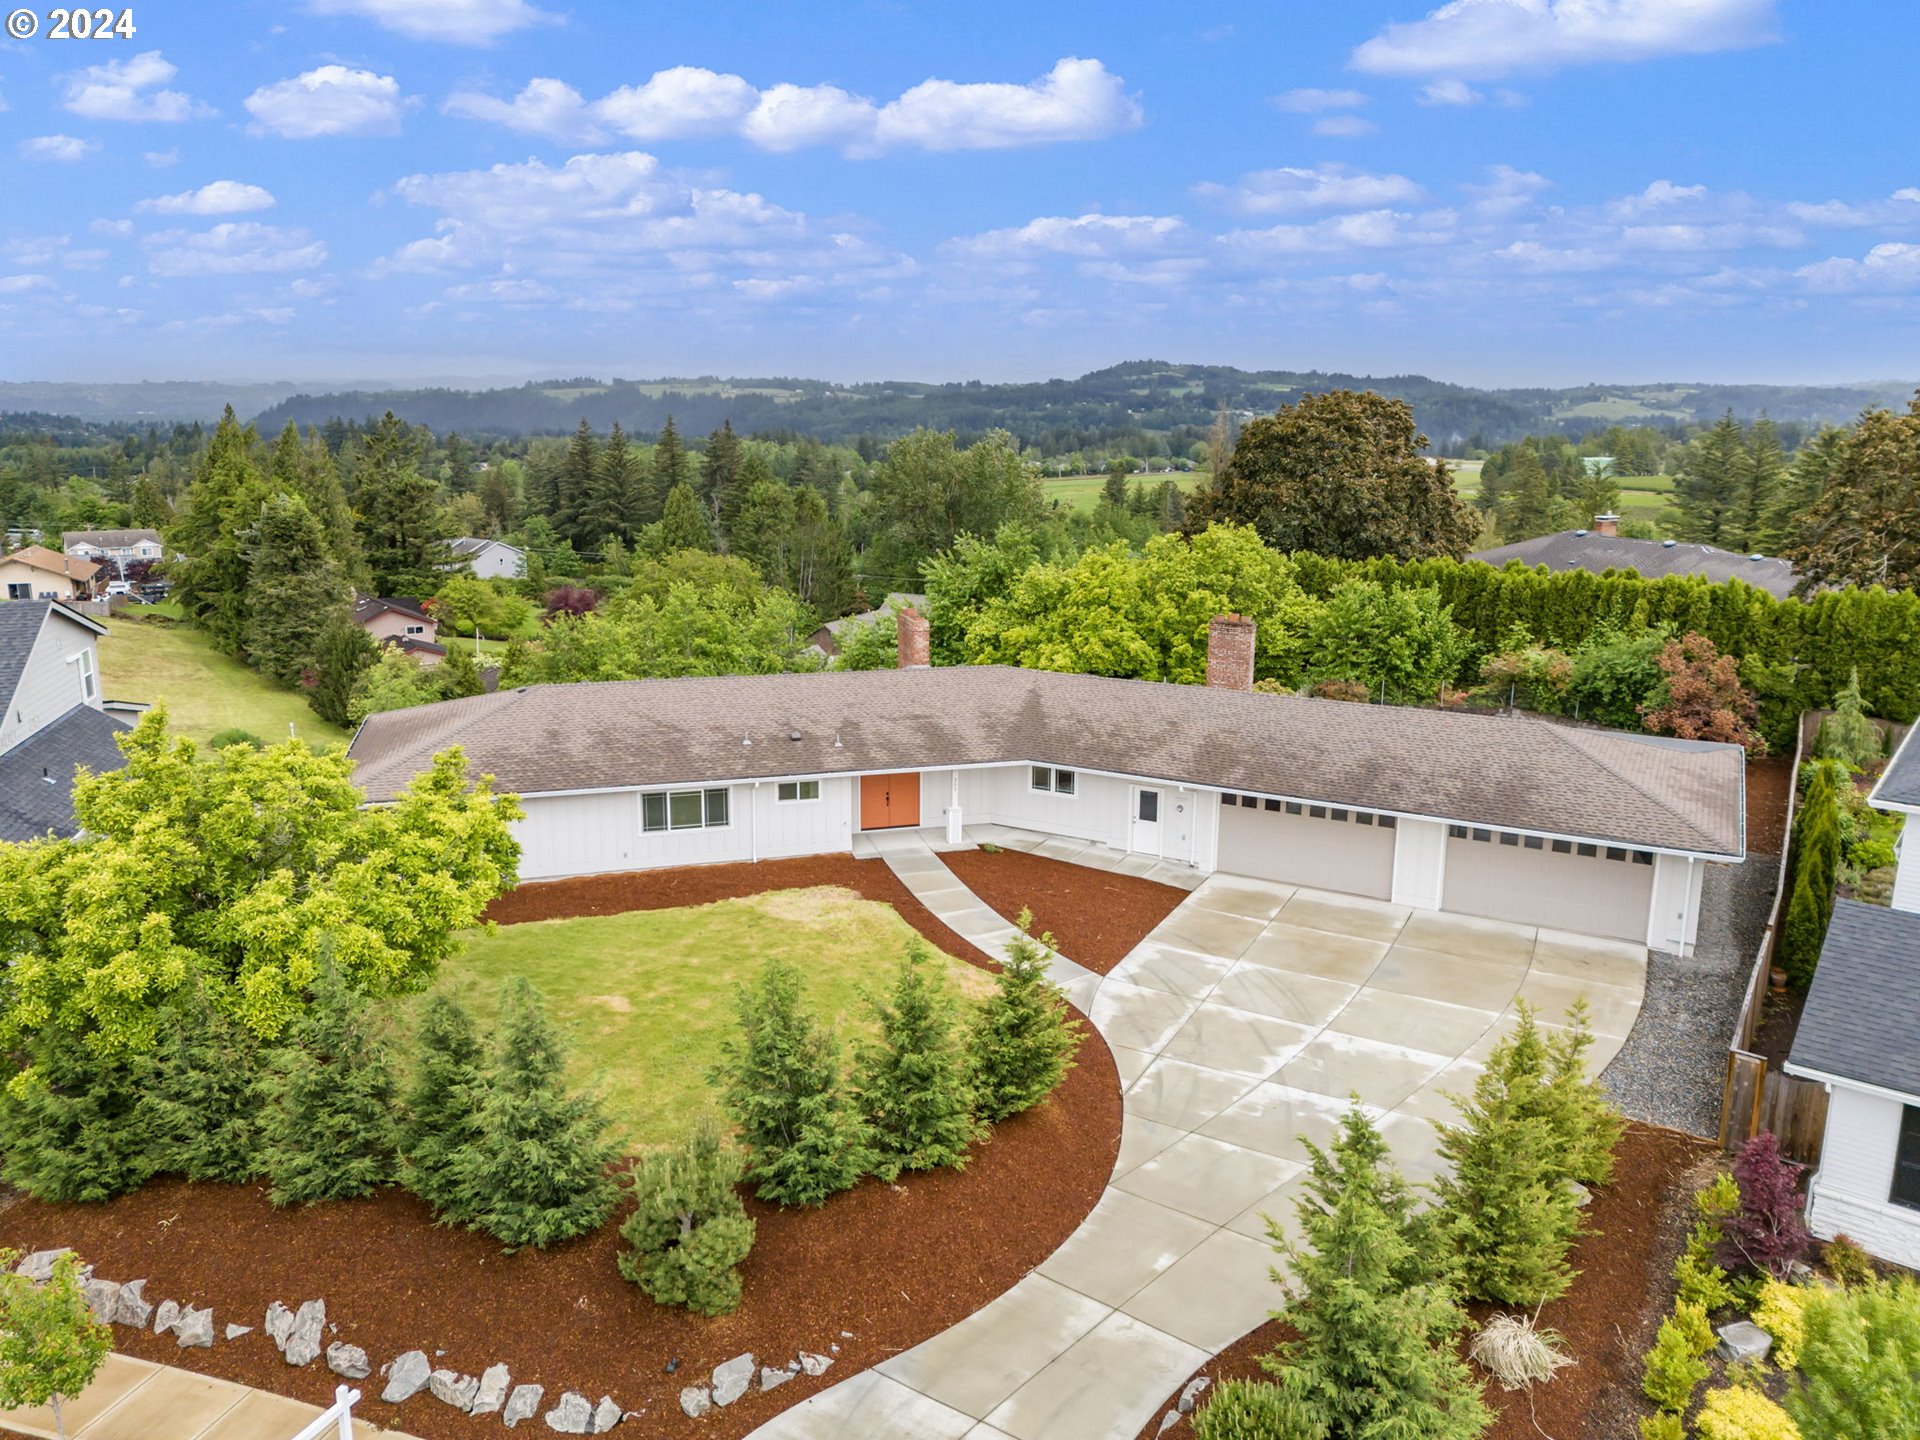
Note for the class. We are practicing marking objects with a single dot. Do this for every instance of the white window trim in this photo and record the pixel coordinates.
(1052, 785)
(82, 660)
(800, 797)
(668, 795)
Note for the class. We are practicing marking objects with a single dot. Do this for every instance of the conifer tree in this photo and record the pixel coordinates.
(720, 478)
(1377, 1328)
(1761, 478)
(1526, 499)
(1848, 735)
(211, 583)
(405, 551)
(580, 508)
(608, 509)
(1586, 1123)
(670, 467)
(308, 470)
(689, 1231)
(819, 558)
(682, 525)
(780, 1081)
(911, 1082)
(442, 1110)
(537, 1172)
(342, 652)
(458, 674)
(148, 509)
(1858, 1361)
(294, 591)
(1709, 488)
(1024, 1039)
(73, 1130)
(763, 531)
(329, 1122)
(203, 1107)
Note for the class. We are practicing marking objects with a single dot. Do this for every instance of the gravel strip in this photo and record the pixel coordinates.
(1674, 1064)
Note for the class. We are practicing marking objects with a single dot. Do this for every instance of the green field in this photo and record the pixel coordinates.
(1642, 497)
(647, 997)
(204, 691)
(1082, 492)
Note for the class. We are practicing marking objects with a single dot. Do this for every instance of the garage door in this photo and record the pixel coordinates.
(1330, 849)
(1588, 889)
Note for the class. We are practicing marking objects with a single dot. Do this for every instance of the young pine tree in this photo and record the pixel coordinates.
(72, 1128)
(911, 1083)
(342, 653)
(294, 589)
(682, 524)
(1024, 1040)
(537, 1171)
(689, 1232)
(1378, 1329)
(780, 1082)
(329, 1123)
(442, 1111)
(458, 675)
(203, 1106)
(1586, 1123)
(50, 1344)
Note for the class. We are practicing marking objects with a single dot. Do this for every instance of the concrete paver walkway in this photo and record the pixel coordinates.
(1245, 1020)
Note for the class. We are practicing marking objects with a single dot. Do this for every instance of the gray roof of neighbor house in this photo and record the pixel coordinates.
(20, 622)
(36, 776)
(1862, 1017)
(1899, 783)
(369, 606)
(1590, 550)
(1509, 772)
(469, 544)
(107, 539)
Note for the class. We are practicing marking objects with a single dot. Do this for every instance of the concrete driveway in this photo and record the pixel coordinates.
(1245, 1020)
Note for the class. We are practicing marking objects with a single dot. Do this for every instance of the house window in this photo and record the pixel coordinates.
(1563, 847)
(1589, 851)
(1387, 822)
(1229, 799)
(1316, 812)
(1363, 817)
(791, 790)
(1534, 842)
(1483, 836)
(1456, 832)
(1273, 804)
(1906, 1160)
(1340, 815)
(1507, 837)
(683, 810)
(1058, 782)
(1294, 807)
(1615, 852)
(1643, 857)
(416, 629)
(88, 685)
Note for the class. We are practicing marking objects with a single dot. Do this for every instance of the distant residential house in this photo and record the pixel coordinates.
(34, 572)
(403, 624)
(488, 559)
(827, 638)
(51, 716)
(1859, 1035)
(115, 548)
(1603, 548)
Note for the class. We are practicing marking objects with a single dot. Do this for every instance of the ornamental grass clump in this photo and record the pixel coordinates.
(1517, 1353)
(1252, 1410)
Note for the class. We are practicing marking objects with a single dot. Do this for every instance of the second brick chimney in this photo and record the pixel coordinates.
(1230, 652)
(915, 646)
(1606, 524)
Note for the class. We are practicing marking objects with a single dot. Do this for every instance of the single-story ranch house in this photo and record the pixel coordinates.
(1515, 818)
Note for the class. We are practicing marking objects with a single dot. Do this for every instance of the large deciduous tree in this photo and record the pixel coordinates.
(1340, 474)
(929, 492)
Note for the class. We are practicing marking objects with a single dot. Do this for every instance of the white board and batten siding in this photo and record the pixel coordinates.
(1004, 795)
(1906, 875)
(54, 680)
(1322, 846)
(1850, 1194)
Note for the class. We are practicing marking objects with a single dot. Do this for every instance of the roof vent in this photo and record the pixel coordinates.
(1579, 532)
(746, 739)
(794, 735)
(519, 689)
(836, 739)
(1666, 544)
(1756, 556)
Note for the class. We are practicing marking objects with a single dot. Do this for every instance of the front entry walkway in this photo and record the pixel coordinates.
(1245, 1020)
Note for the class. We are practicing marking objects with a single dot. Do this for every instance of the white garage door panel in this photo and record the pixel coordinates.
(1589, 895)
(1327, 854)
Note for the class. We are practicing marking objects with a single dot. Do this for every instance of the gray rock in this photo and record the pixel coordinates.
(522, 1404)
(1744, 1340)
(814, 1364)
(453, 1388)
(572, 1416)
(304, 1340)
(696, 1400)
(731, 1379)
(39, 1265)
(130, 1306)
(279, 1325)
(1582, 1196)
(103, 1298)
(234, 1332)
(1193, 1391)
(407, 1377)
(195, 1327)
(772, 1379)
(166, 1317)
(492, 1393)
(606, 1415)
(348, 1360)
(1168, 1421)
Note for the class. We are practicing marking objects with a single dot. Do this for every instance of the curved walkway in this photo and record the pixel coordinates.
(1245, 1020)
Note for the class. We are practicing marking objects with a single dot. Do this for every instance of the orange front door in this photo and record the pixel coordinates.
(887, 801)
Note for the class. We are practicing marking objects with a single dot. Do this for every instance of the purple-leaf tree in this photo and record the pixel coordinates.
(1766, 1232)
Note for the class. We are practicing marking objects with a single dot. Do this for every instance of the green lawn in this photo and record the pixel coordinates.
(205, 692)
(647, 997)
(1082, 492)
(1642, 497)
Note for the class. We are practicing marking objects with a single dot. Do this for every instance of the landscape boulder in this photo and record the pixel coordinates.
(39, 1265)
(130, 1306)
(407, 1377)
(307, 1334)
(813, 1364)
(349, 1361)
(1168, 1421)
(492, 1393)
(102, 1298)
(234, 1332)
(453, 1388)
(696, 1400)
(522, 1404)
(1190, 1396)
(606, 1415)
(166, 1317)
(572, 1416)
(731, 1378)
(1744, 1340)
(772, 1379)
(279, 1325)
(195, 1328)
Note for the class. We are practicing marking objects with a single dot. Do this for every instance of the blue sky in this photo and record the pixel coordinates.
(1494, 191)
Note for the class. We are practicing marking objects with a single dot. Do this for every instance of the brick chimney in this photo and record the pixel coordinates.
(1606, 524)
(1230, 652)
(915, 648)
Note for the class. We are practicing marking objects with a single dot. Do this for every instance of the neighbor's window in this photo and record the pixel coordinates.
(1906, 1160)
(791, 790)
(86, 675)
(1058, 782)
(683, 810)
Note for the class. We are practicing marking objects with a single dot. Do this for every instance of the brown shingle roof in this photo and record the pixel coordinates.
(41, 558)
(1502, 771)
(1590, 550)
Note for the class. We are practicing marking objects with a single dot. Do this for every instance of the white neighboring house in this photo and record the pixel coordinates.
(51, 715)
(1859, 1035)
(1513, 818)
(488, 559)
(114, 548)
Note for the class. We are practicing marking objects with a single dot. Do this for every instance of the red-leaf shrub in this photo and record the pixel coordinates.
(1766, 1232)
(571, 600)
(1702, 697)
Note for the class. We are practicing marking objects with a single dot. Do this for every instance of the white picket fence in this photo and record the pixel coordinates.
(337, 1417)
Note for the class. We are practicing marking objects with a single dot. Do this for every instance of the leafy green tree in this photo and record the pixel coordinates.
(72, 1127)
(1864, 527)
(466, 606)
(872, 646)
(1377, 1328)
(1857, 1363)
(780, 1081)
(690, 632)
(538, 1172)
(441, 1115)
(961, 582)
(396, 681)
(928, 492)
(295, 589)
(149, 509)
(1340, 474)
(911, 1083)
(406, 554)
(328, 1132)
(1024, 1037)
(1709, 490)
(211, 582)
(241, 870)
(202, 1107)
(458, 675)
(819, 557)
(342, 652)
(1401, 643)
(762, 532)
(688, 1232)
(682, 525)
(51, 1347)
(1615, 672)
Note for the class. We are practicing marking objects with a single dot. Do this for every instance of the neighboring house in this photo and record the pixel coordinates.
(402, 623)
(114, 548)
(1603, 548)
(51, 718)
(37, 573)
(1859, 1036)
(488, 559)
(827, 638)
(1511, 817)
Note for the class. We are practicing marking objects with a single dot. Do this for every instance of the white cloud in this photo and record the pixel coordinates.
(452, 22)
(1369, 230)
(57, 149)
(111, 227)
(1343, 127)
(1488, 38)
(331, 100)
(1450, 92)
(1894, 266)
(1912, 192)
(546, 107)
(793, 117)
(685, 100)
(220, 197)
(1507, 190)
(1540, 259)
(161, 159)
(23, 284)
(1291, 189)
(1083, 236)
(1076, 100)
(234, 248)
(1660, 196)
(1309, 101)
(129, 90)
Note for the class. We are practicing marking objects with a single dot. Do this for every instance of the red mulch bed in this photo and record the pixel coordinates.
(1625, 1260)
(889, 1265)
(1769, 783)
(1095, 918)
